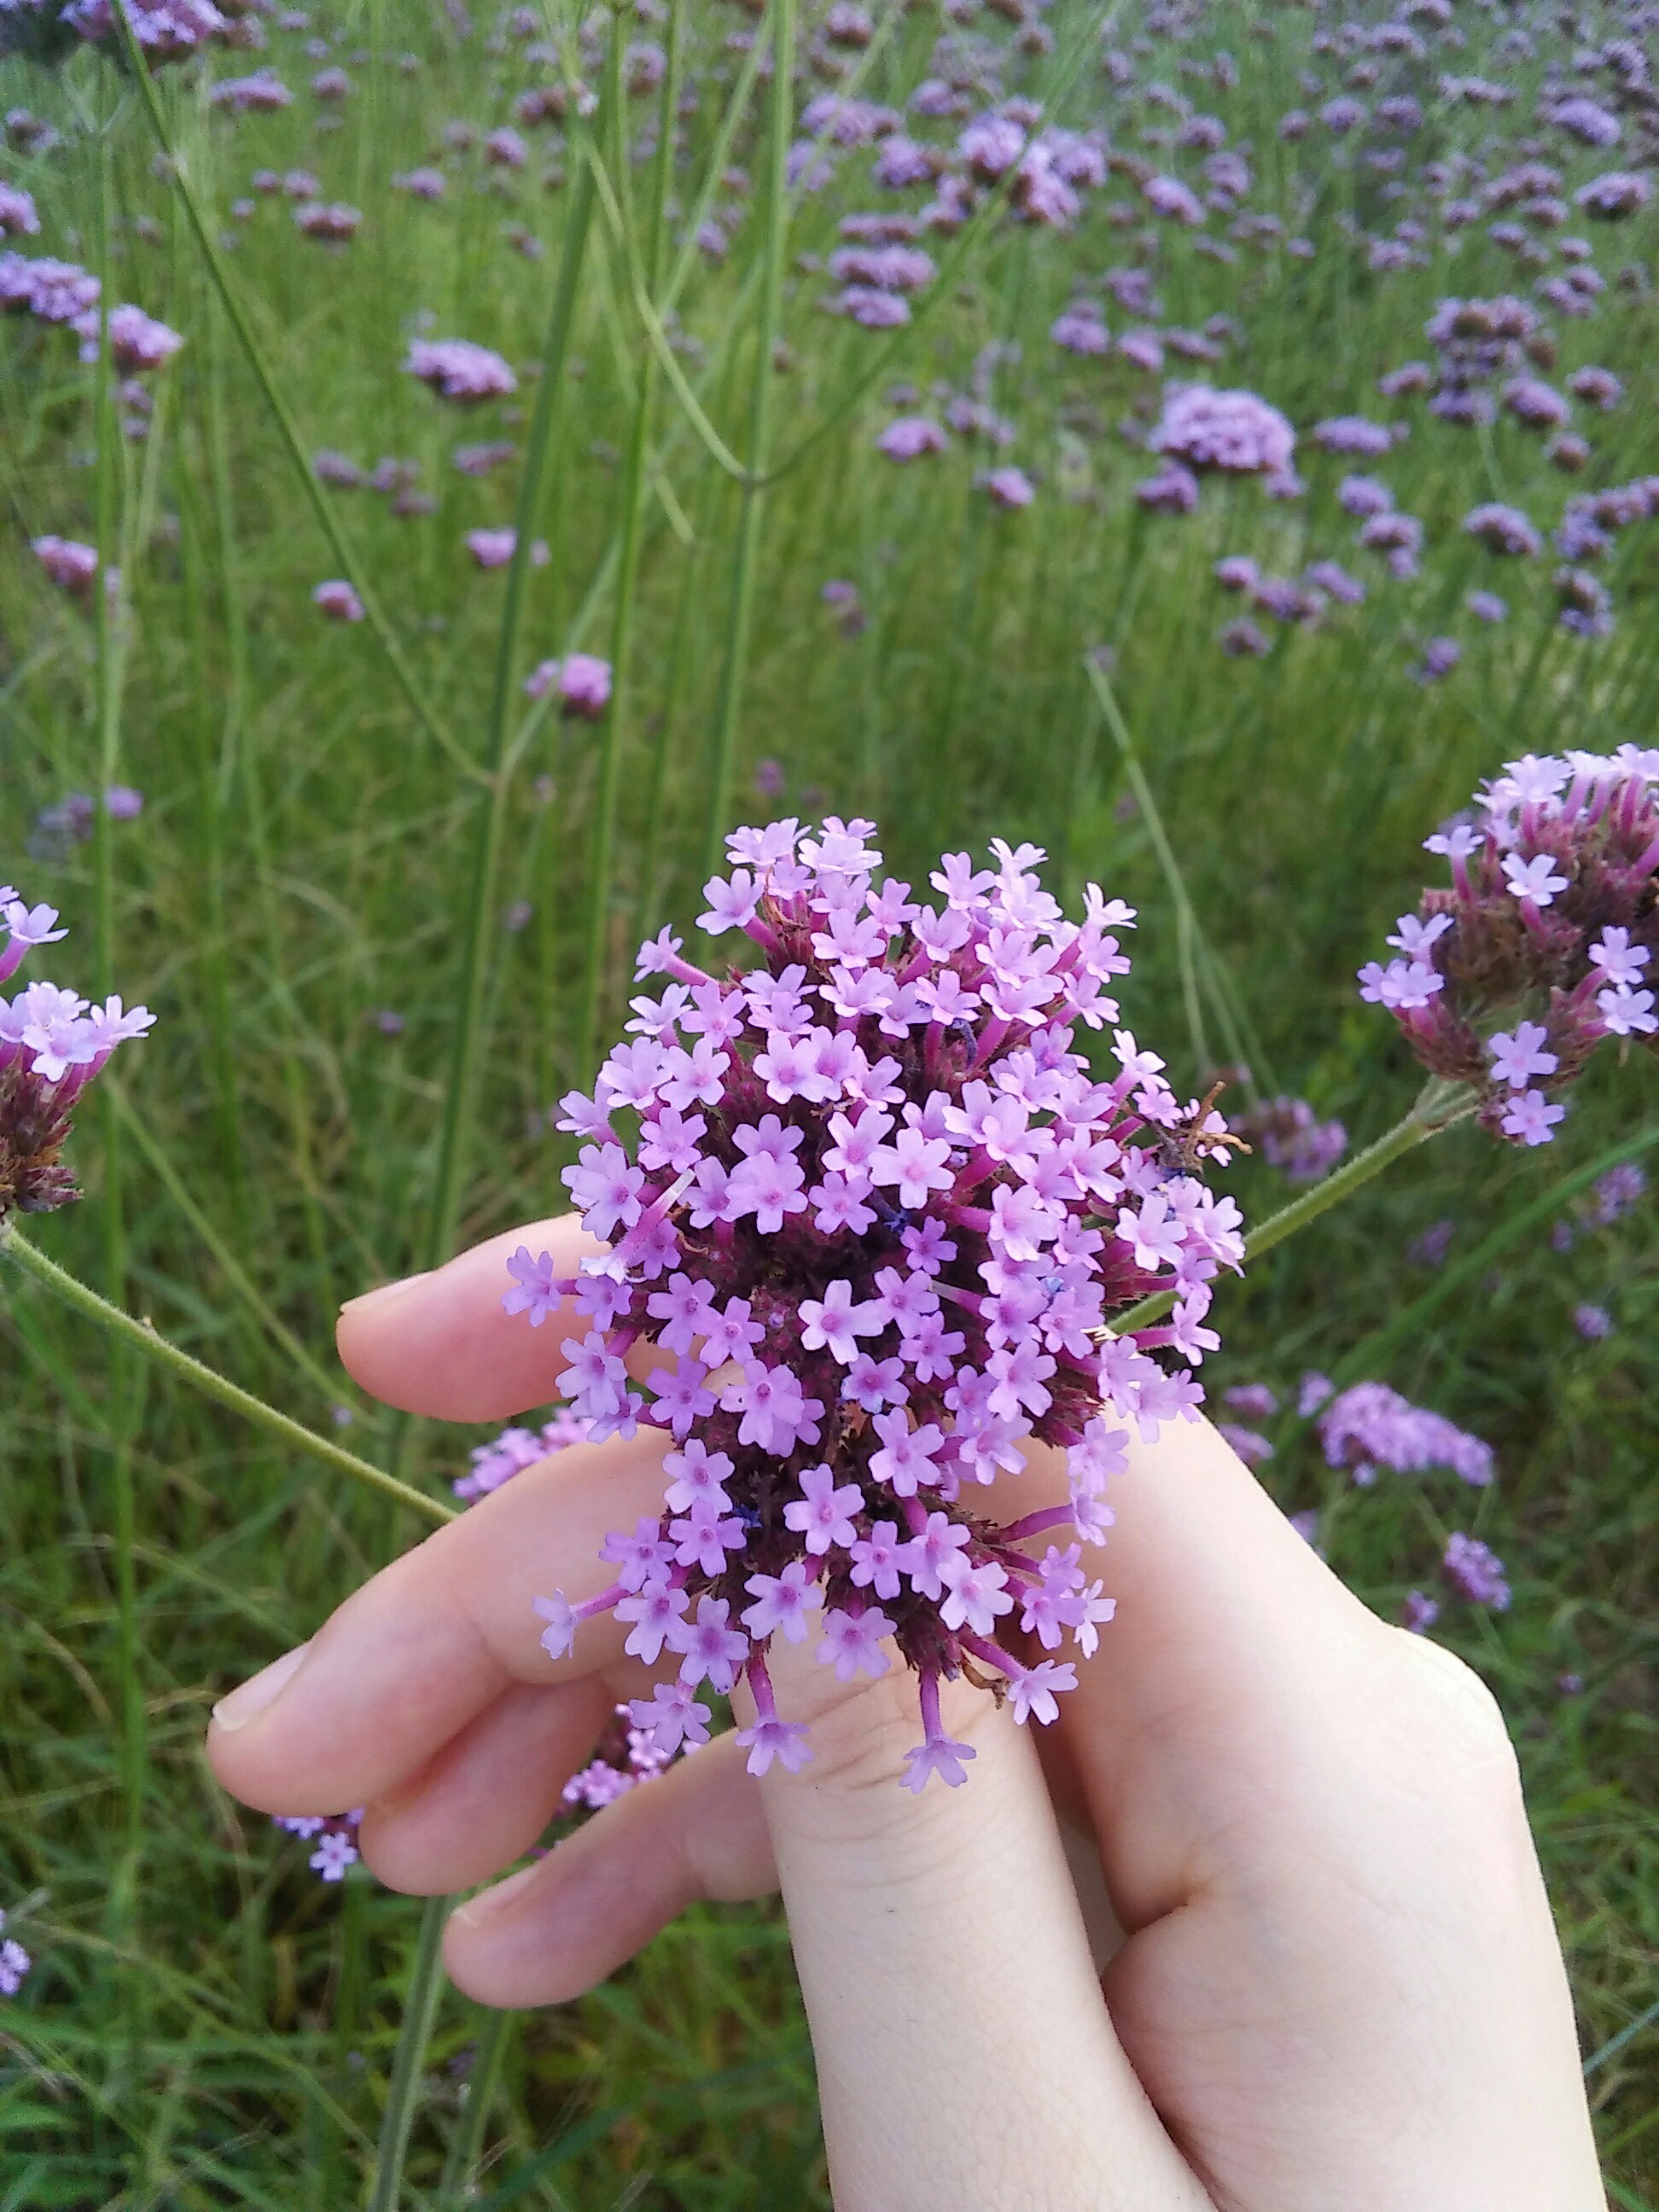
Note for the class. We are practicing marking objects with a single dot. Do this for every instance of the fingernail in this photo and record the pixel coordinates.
(252, 1697)
(384, 1291)
(488, 1902)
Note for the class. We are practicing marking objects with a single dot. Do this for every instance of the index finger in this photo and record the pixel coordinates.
(441, 1344)
(432, 1639)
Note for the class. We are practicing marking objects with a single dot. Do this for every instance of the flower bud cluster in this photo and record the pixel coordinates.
(874, 1212)
(1540, 949)
(53, 1042)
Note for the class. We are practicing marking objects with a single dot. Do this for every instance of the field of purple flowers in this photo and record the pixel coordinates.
(459, 464)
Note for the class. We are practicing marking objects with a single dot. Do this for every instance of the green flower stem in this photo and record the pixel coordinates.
(287, 428)
(766, 334)
(466, 1048)
(128, 1330)
(109, 629)
(426, 1987)
(459, 2180)
(1438, 1106)
(635, 494)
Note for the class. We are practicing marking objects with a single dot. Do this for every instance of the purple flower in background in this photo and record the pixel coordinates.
(1365, 497)
(457, 369)
(1592, 125)
(1009, 487)
(15, 1963)
(1289, 1135)
(1440, 656)
(1535, 404)
(874, 1183)
(581, 680)
(1474, 1572)
(908, 437)
(1168, 195)
(421, 184)
(1329, 577)
(1173, 490)
(1237, 572)
(1586, 604)
(166, 30)
(1597, 387)
(1233, 432)
(69, 564)
(1081, 328)
(123, 804)
(1617, 193)
(1541, 947)
(1593, 1323)
(494, 549)
(18, 218)
(262, 93)
(1418, 1612)
(1244, 639)
(1354, 434)
(338, 601)
(1371, 1427)
(1504, 530)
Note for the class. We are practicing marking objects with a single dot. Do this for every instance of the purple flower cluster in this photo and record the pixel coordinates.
(514, 1450)
(581, 681)
(1289, 1134)
(1233, 433)
(631, 1751)
(1371, 1427)
(15, 1963)
(53, 1043)
(457, 369)
(1549, 927)
(334, 1839)
(874, 1212)
(1474, 1572)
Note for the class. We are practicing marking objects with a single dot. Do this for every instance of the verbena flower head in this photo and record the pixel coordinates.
(53, 1043)
(1541, 950)
(1372, 1427)
(1232, 432)
(1289, 1134)
(1474, 1571)
(15, 1963)
(875, 1211)
(581, 682)
(457, 369)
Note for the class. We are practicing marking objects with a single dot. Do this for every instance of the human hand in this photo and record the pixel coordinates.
(1340, 1985)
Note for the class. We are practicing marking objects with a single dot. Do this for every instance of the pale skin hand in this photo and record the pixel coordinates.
(1340, 1986)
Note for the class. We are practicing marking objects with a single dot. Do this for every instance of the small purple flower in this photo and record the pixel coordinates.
(1010, 488)
(1371, 1427)
(1486, 606)
(1232, 432)
(1418, 1612)
(338, 600)
(70, 565)
(1474, 1572)
(1593, 1323)
(1505, 530)
(581, 681)
(1535, 404)
(1615, 194)
(1440, 656)
(1365, 497)
(457, 369)
(1354, 434)
(909, 436)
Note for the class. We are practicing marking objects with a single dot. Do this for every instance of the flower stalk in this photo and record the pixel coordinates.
(130, 1331)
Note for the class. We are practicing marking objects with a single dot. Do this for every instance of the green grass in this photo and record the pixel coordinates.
(207, 2025)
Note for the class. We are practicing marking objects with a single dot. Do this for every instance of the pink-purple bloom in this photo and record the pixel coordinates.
(876, 1215)
(1231, 431)
(1541, 947)
(53, 1043)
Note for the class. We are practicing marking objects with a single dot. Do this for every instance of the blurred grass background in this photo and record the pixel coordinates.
(206, 2024)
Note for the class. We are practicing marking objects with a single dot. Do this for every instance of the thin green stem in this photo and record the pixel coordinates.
(466, 2144)
(1438, 1106)
(109, 634)
(287, 428)
(128, 1330)
(426, 1987)
(635, 487)
(466, 1044)
(774, 251)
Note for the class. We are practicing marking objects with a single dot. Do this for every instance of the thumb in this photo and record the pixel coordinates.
(964, 2052)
